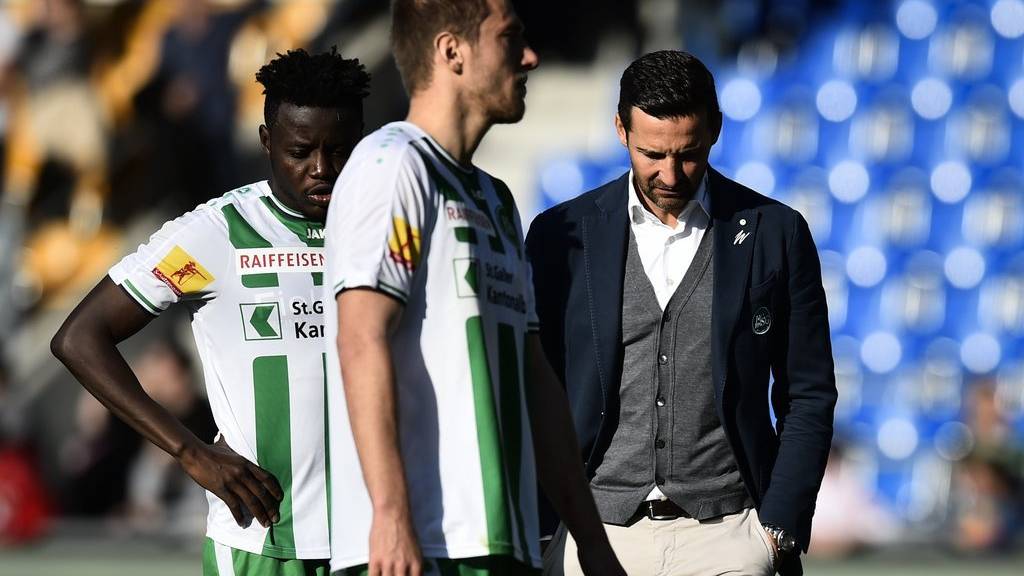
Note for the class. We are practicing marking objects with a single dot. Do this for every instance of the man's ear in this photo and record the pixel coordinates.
(716, 127)
(448, 52)
(265, 139)
(620, 129)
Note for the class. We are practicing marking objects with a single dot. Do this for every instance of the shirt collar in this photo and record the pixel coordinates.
(639, 213)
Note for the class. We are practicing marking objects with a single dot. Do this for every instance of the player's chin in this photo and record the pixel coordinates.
(511, 113)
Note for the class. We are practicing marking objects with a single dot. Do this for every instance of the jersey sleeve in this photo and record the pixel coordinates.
(178, 263)
(377, 226)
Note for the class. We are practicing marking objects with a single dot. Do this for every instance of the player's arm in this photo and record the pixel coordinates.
(558, 465)
(366, 320)
(87, 344)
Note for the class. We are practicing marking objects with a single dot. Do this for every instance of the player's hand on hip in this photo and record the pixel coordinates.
(599, 560)
(246, 489)
(394, 550)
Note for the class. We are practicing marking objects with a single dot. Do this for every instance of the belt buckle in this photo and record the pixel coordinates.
(653, 516)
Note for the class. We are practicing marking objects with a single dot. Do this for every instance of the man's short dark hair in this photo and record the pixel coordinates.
(668, 84)
(415, 24)
(324, 80)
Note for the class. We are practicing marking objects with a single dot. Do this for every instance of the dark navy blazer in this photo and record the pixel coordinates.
(766, 273)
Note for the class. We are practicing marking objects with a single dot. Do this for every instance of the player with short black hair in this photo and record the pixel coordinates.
(324, 80)
(248, 266)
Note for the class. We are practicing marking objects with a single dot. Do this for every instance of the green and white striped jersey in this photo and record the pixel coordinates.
(445, 240)
(250, 272)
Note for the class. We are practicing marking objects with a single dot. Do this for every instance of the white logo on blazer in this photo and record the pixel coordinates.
(762, 321)
(740, 237)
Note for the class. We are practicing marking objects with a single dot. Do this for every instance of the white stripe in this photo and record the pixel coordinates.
(309, 505)
(225, 567)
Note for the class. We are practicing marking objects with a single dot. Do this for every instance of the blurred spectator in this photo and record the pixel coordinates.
(24, 505)
(113, 474)
(847, 519)
(988, 495)
(55, 168)
(196, 103)
(57, 117)
(159, 493)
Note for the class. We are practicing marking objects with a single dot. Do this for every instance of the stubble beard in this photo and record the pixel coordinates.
(509, 111)
(669, 205)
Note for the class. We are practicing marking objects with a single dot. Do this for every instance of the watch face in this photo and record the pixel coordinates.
(787, 543)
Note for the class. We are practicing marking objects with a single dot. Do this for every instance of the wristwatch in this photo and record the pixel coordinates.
(784, 541)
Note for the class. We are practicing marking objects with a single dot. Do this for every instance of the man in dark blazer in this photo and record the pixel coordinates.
(668, 299)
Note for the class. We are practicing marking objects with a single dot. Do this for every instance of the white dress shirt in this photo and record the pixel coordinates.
(666, 252)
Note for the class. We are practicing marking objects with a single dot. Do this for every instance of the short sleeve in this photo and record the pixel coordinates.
(377, 225)
(180, 262)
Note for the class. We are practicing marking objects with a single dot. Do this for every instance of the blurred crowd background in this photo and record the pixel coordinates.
(895, 126)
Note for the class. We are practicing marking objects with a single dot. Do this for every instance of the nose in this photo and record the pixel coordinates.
(670, 173)
(320, 167)
(530, 59)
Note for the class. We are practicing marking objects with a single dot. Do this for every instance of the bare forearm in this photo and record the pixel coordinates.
(87, 345)
(368, 375)
(557, 451)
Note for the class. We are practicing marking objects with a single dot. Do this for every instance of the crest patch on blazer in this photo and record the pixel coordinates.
(762, 321)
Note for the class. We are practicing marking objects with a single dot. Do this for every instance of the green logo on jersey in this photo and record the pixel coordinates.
(261, 321)
(467, 277)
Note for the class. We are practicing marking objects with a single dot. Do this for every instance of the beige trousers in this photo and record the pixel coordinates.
(732, 544)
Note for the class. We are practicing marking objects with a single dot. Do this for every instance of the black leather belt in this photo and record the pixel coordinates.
(661, 510)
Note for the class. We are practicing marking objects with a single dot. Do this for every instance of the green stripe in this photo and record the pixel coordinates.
(280, 206)
(499, 530)
(242, 235)
(449, 192)
(494, 565)
(141, 299)
(274, 444)
(249, 564)
(465, 234)
(472, 189)
(497, 565)
(441, 155)
(299, 226)
(209, 559)
(508, 207)
(327, 448)
(511, 420)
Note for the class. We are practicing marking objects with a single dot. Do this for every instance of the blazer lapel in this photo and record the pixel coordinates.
(735, 231)
(604, 249)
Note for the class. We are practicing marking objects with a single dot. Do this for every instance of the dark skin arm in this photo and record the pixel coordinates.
(87, 344)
